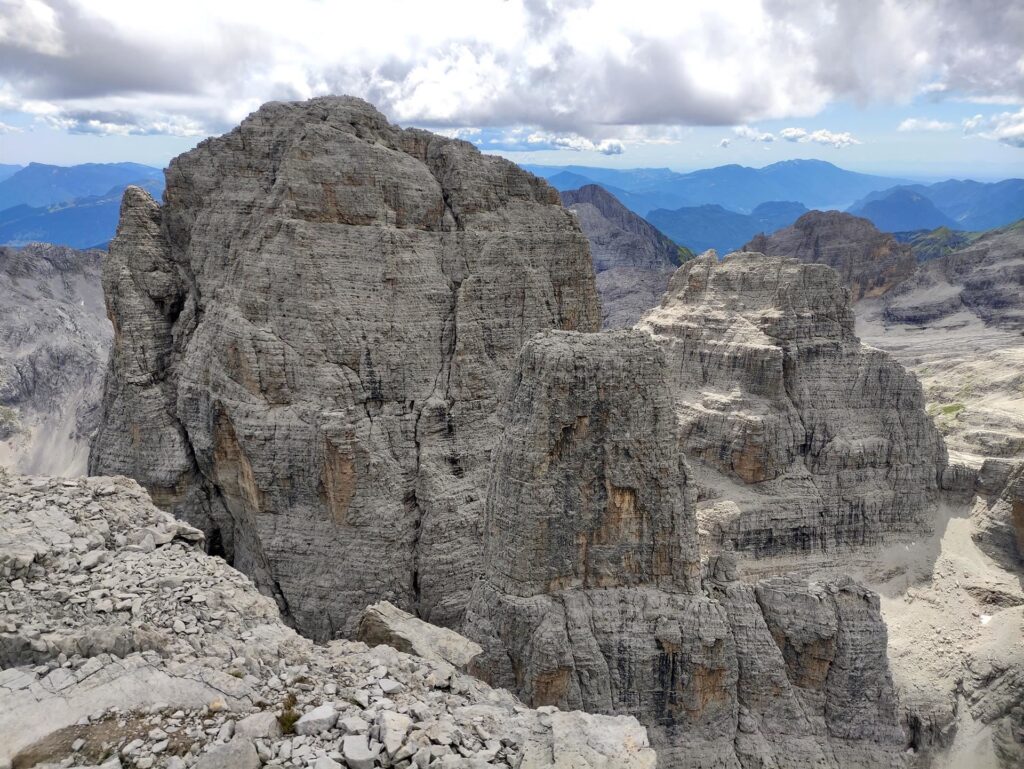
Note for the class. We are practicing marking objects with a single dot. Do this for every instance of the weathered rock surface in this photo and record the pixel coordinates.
(803, 442)
(155, 654)
(592, 596)
(309, 339)
(999, 522)
(868, 261)
(985, 278)
(54, 341)
(633, 260)
(384, 623)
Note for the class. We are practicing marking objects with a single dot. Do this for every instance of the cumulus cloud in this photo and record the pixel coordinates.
(1005, 127)
(7, 128)
(597, 70)
(724, 143)
(923, 124)
(821, 136)
(752, 134)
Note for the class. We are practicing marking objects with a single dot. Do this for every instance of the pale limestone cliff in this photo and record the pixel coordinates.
(633, 260)
(123, 643)
(804, 443)
(54, 341)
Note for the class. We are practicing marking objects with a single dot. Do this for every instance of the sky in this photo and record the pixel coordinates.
(927, 89)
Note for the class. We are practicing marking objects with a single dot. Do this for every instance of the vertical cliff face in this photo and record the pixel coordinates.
(632, 258)
(803, 442)
(309, 337)
(869, 262)
(591, 596)
(54, 339)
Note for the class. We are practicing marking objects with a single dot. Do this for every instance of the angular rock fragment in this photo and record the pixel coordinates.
(163, 699)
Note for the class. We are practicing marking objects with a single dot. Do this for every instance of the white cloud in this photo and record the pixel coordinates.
(7, 128)
(923, 124)
(746, 132)
(724, 143)
(1005, 127)
(597, 69)
(821, 136)
(546, 139)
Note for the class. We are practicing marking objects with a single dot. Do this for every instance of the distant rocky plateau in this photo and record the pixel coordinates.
(369, 486)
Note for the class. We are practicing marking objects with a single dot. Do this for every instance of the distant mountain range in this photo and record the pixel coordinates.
(74, 206)
(814, 183)
(7, 170)
(712, 226)
(957, 204)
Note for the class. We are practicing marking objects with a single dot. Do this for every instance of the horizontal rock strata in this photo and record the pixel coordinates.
(803, 442)
(54, 341)
(310, 337)
(592, 596)
(869, 262)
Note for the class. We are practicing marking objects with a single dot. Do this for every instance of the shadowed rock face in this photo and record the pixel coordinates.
(803, 442)
(309, 339)
(633, 259)
(868, 261)
(54, 341)
(591, 597)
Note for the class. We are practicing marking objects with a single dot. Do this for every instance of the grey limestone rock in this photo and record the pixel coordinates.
(633, 260)
(54, 341)
(869, 262)
(985, 278)
(384, 623)
(219, 664)
(803, 442)
(998, 522)
(310, 335)
(592, 597)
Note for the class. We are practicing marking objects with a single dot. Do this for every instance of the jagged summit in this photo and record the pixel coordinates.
(312, 333)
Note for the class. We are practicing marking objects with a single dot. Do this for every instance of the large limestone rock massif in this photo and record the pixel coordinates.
(632, 258)
(868, 261)
(122, 642)
(803, 442)
(54, 341)
(309, 339)
(592, 596)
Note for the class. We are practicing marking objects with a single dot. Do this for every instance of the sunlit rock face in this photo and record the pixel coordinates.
(803, 442)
